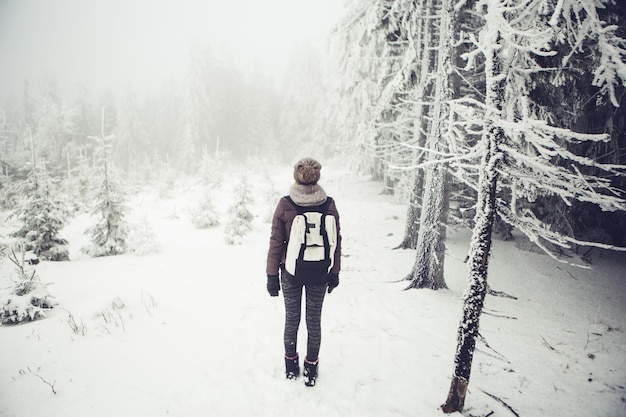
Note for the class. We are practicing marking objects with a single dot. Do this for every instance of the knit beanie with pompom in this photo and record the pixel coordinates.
(307, 171)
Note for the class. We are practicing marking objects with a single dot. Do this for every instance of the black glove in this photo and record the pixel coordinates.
(273, 285)
(333, 281)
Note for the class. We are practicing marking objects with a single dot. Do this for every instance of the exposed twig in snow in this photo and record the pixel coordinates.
(500, 294)
(502, 316)
(501, 401)
(548, 345)
(569, 273)
(499, 355)
(79, 329)
(30, 372)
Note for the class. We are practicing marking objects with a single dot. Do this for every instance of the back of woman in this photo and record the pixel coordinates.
(306, 195)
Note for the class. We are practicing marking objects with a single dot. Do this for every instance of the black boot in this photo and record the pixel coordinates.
(292, 367)
(310, 372)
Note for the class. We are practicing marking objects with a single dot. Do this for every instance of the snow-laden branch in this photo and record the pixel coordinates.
(538, 233)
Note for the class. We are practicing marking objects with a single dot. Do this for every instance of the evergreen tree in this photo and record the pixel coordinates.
(428, 271)
(28, 299)
(54, 127)
(42, 216)
(131, 139)
(407, 50)
(261, 137)
(520, 151)
(204, 214)
(240, 223)
(197, 126)
(109, 234)
(166, 125)
(303, 95)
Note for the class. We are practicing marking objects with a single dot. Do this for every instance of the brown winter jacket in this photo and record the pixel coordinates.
(281, 227)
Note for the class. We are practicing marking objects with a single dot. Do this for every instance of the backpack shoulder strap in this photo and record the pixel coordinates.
(295, 206)
(326, 204)
(300, 209)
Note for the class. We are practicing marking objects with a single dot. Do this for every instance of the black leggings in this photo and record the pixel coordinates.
(292, 291)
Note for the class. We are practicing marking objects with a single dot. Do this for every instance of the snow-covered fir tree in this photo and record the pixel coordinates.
(53, 128)
(520, 150)
(196, 124)
(240, 222)
(430, 250)
(303, 96)
(29, 297)
(42, 217)
(204, 214)
(141, 238)
(131, 137)
(405, 49)
(108, 236)
(212, 167)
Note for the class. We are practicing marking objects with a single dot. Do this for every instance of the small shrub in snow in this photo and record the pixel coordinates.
(142, 239)
(75, 190)
(271, 196)
(28, 298)
(240, 223)
(167, 181)
(112, 316)
(204, 214)
(77, 328)
(211, 169)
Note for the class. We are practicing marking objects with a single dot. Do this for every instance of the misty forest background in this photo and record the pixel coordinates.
(497, 115)
(359, 97)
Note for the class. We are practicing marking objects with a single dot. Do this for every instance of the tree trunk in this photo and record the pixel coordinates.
(475, 295)
(480, 247)
(430, 252)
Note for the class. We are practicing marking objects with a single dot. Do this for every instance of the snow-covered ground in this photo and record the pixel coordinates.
(191, 331)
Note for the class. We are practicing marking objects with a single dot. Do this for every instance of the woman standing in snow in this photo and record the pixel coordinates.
(304, 196)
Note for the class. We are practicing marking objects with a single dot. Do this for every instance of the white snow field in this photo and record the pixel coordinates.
(191, 331)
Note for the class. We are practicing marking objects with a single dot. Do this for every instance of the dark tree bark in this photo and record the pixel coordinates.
(480, 246)
(475, 296)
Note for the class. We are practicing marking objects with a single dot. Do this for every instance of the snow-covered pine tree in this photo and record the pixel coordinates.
(303, 96)
(359, 47)
(520, 151)
(204, 214)
(141, 238)
(405, 48)
(42, 215)
(568, 99)
(212, 168)
(428, 271)
(54, 127)
(29, 297)
(109, 234)
(240, 223)
(261, 137)
(131, 137)
(196, 125)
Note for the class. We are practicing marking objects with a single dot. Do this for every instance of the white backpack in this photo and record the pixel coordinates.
(312, 242)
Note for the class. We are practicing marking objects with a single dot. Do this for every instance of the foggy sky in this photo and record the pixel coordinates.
(105, 43)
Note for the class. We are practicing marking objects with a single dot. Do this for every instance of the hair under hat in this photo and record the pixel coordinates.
(307, 171)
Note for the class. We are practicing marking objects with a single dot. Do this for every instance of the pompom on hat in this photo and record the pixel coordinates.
(307, 171)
